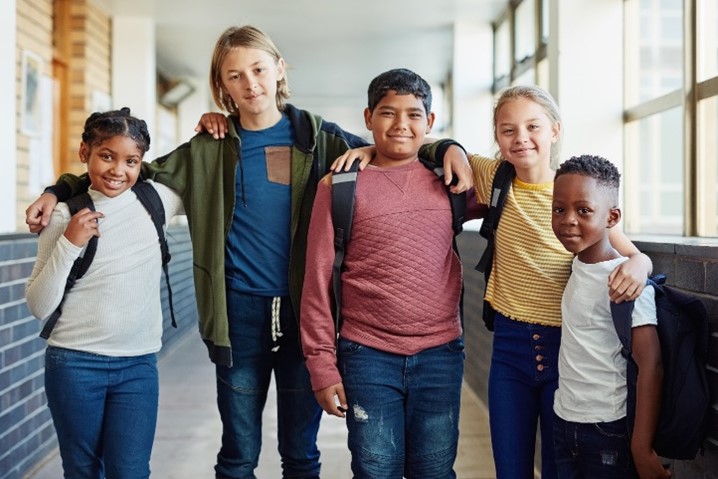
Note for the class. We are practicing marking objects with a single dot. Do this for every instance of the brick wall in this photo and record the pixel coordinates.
(693, 268)
(26, 432)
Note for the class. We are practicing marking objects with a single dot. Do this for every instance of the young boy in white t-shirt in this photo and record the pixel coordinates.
(591, 434)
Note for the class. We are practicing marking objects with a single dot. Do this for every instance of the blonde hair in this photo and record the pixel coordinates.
(247, 37)
(543, 99)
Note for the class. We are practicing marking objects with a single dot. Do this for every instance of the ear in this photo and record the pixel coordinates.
(281, 69)
(367, 118)
(430, 122)
(556, 132)
(614, 217)
(84, 152)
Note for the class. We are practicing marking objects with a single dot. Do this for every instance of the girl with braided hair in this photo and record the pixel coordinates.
(101, 375)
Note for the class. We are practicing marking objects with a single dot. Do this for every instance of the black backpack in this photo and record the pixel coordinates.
(685, 398)
(150, 199)
(343, 188)
(499, 190)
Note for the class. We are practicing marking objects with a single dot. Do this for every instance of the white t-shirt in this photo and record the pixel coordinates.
(592, 372)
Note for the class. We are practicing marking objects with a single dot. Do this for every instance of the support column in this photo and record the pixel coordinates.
(134, 69)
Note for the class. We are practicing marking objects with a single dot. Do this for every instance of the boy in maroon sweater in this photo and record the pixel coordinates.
(397, 368)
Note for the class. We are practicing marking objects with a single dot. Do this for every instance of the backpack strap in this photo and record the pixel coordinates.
(79, 267)
(457, 200)
(343, 187)
(152, 202)
(499, 190)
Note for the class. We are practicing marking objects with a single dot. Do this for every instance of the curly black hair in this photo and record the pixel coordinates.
(596, 167)
(103, 125)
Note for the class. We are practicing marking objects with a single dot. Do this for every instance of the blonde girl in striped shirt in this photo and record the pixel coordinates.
(530, 269)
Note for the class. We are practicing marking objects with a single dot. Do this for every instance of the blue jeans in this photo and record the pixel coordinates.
(242, 392)
(403, 417)
(104, 410)
(522, 382)
(593, 450)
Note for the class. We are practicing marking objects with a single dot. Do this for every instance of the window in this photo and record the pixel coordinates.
(671, 120)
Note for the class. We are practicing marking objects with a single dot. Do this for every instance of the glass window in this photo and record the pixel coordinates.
(658, 48)
(707, 39)
(544, 21)
(525, 32)
(708, 167)
(502, 44)
(654, 169)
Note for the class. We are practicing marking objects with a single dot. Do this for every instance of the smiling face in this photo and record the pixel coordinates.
(113, 165)
(583, 210)
(525, 133)
(399, 125)
(250, 77)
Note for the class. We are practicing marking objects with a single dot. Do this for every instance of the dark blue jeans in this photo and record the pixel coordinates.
(242, 392)
(593, 450)
(522, 382)
(403, 417)
(104, 410)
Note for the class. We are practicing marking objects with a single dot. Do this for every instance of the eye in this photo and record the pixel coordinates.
(507, 131)
(557, 210)
(133, 161)
(259, 70)
(106, 156)
(534, 127)
(584, 211)
(416, 116)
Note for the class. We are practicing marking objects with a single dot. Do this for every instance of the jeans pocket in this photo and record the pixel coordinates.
(613, 429)
(348, 347)
(55, 358)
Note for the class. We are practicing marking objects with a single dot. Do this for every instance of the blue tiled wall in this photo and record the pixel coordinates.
(26, 432)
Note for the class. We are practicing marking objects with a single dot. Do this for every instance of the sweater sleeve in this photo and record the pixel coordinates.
(317, 324)
(55, 256)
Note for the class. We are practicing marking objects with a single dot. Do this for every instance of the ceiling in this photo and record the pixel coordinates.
(333, 47)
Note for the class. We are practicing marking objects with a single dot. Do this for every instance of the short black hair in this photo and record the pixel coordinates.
(403, 82)
(595, 167)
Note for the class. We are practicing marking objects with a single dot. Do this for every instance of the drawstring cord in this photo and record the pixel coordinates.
(276, 328)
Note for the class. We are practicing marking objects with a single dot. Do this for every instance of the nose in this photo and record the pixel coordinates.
(521, 135)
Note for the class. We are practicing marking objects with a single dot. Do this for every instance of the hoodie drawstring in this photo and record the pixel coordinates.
(276, 327)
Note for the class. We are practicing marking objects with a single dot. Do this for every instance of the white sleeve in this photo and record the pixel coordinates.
(171, 200)
(55, 256)
(644, 310)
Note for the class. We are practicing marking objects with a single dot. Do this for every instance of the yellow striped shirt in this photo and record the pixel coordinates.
(530, 267)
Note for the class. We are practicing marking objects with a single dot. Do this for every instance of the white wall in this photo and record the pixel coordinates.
(473, 76)
(591, 77)
(8, 126)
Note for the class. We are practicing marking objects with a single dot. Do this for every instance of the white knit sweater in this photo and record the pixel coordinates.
(115, 308)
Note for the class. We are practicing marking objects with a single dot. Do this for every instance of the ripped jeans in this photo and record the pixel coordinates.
(403, 417)
(592, 450)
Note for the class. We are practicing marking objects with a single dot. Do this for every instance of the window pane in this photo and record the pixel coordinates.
(544, 21)
(708, 167)
(525, 30)
(654, 170)
(655, 42)
(503, 51)
(707, 31)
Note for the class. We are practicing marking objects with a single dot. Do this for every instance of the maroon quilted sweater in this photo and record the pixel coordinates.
(402, 282)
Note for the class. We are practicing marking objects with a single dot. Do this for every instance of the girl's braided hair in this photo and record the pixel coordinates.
(103, 125)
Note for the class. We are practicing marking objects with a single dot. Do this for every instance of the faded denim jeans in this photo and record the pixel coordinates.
(403, 417)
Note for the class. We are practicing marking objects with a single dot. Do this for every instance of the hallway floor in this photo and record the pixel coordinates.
(189, 430)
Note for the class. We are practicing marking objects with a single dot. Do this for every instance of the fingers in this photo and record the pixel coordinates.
(83, 226)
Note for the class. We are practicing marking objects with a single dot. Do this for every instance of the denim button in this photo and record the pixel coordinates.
(539, 357)
(536, 336)
(540, 367)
